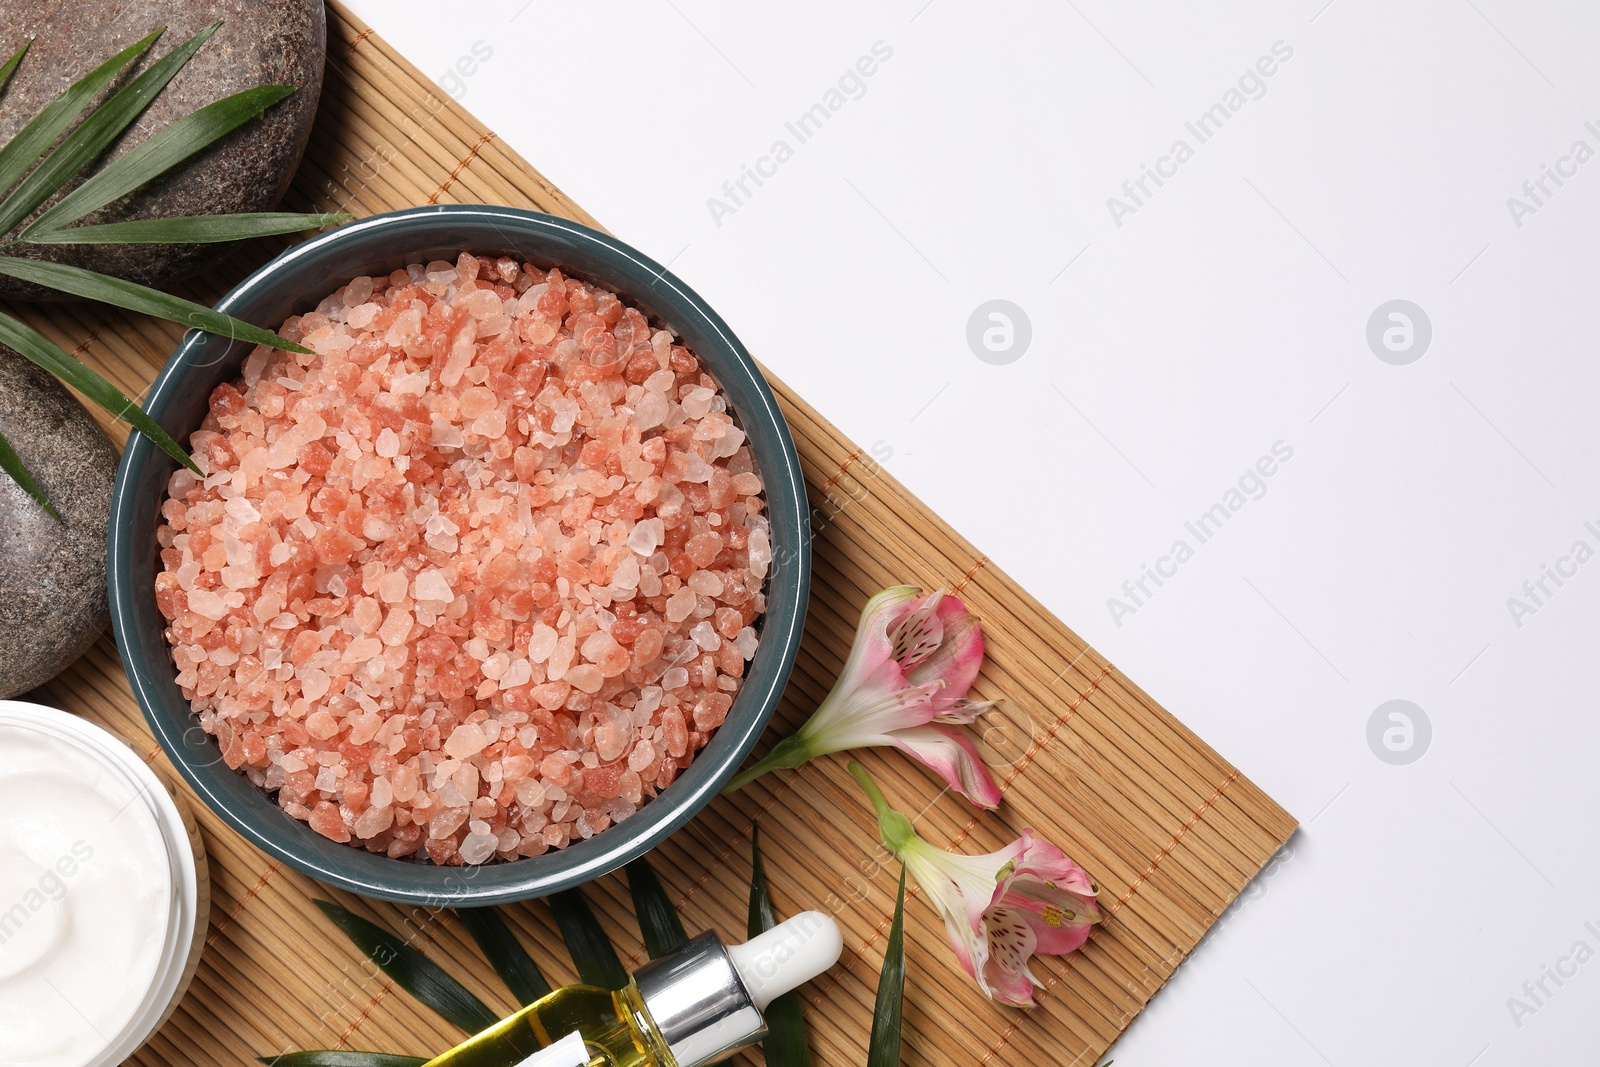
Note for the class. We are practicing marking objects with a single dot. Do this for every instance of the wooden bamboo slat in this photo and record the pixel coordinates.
(1170, 829)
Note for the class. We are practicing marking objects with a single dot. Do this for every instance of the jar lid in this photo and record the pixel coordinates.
(107, 840)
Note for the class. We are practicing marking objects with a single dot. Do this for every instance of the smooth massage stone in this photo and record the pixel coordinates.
(260, 42)
(52, 574)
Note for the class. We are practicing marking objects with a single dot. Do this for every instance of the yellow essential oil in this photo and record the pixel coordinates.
(615, 1028)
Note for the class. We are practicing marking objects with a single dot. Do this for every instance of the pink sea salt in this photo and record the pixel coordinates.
(475, 580)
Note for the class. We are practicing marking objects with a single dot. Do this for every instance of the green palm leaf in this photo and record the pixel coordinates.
(506, 954)
(587, 942)
(84, 144)
(884, 1048)
(412, 971)
(11, 463)
(135, 297)
(658, 920)
(785, 1043)
(188, 229)
(24, 150)
(340, 1058)
(11, 64)
(33, 345)
(158, 153)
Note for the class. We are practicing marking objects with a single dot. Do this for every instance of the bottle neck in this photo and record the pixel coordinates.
(646, 1034)
(698, 1004)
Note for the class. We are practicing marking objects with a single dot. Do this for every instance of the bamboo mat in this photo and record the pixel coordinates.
(1170, 830)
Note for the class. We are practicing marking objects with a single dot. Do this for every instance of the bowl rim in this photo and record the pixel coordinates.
(497, 882)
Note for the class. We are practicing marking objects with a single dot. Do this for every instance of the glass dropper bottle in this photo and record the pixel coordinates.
(685, 1009)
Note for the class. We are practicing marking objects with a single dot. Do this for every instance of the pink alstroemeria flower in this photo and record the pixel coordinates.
(999, 908)
(905, 685)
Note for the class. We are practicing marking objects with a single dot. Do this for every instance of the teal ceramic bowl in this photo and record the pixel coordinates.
(293, 284)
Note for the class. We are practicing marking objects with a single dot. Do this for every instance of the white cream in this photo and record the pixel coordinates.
(85, 899)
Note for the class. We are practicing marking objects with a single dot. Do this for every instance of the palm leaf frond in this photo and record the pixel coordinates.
(11, 64)
(591, 950)
(157, 154)
(188, 229)
(412, 971)
(34, 346)
(95, 133)
(785, 1043)
(505, 953)
(121, 293)
(12, 464)
(24, 150)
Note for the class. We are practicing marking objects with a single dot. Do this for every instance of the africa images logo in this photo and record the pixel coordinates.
(998, 332)
(1252, 85)
(1537, 192)
(850, 85)
(1137, 592)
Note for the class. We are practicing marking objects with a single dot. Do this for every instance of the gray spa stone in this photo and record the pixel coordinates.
(260, 42)
(52, 574)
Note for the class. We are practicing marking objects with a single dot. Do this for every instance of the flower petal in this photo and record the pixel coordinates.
(959, 655)
(917, 632)
(1059, 926)
(1044, 862)
(951, 755)
(1012, 943)
(958, 889)
(964, 942)
(1043, 896)
(871, 695)
(868, 713)
(871, 645)
(872, 639)
(1055, 894)
(977, 881)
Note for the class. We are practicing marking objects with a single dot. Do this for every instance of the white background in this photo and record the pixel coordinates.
(1227, 313)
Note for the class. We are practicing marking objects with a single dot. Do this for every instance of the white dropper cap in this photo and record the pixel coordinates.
(787, 956)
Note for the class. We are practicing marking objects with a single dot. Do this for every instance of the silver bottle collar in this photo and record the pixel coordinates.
(699, 1002)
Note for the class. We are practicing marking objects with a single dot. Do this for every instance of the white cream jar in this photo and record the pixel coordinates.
(103, 893)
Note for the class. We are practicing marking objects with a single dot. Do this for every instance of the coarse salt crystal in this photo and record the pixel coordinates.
(626, 575)
(651, 410)
(519, 673)
(361, 649)
(206, 603)
(432, 585)
(680, 605)
(392, 587)
(446, 434)
(586, 677)
(396, 627)
(697, 401)
(478, 847)
(760, 549)
(703, 635)
(646, 536)
(541, 642)
(706, 583)
(465, 741)
(490, 424)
